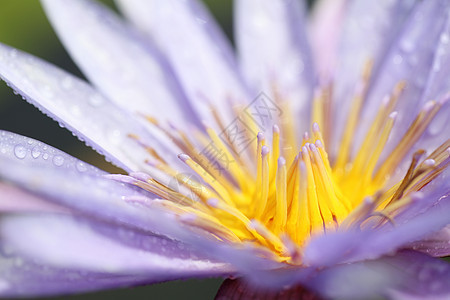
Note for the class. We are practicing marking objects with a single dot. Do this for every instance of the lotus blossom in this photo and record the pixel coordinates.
(296, 168)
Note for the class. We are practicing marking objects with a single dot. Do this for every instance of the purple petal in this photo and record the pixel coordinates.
(438, 87)
(196, 48)
(29, 279)
(75, 247)
(368, 31)
(325, 29)
(80, 108)
(91, 194)
(28, 151)
(127, 70)
(13, 199)
(273, 51)
(407, 273)
(438, 244)
(410, 58)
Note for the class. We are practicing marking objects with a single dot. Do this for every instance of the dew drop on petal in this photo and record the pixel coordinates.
(114, 136)
(445, 38)
(20, 151)
(397, 59)
(35, 152)
(13, 53)
(58, 160)
(45, 156)
(95, 100)
(47, 91)
(4, 285)
(81, 167)
(407, 45)
(67, 83)
(75, 110)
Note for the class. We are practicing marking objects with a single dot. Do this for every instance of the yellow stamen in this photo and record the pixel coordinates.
(277, 204)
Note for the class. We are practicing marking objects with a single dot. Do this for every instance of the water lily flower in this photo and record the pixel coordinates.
(297, 170)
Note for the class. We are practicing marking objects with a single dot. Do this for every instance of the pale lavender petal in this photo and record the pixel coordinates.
(91, 194)
(274, 53)
(325, 28)
(82, 246)
(437, 88)
(407, 273)
(13, 199)
(66, 181)
(368, 31)
(76, 105)
(410, 58)
(438, 244)
(196, 48)
(29, 151)
(127, 70)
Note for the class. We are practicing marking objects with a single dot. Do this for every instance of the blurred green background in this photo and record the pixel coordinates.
(23, 25)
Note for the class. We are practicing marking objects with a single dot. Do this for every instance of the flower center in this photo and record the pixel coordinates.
(273, 198)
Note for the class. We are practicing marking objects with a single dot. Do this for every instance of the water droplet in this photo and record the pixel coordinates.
(47, 91)
(114, 136)
(81, 167)
(45, 156)
(407, 45)
(75, 110)
(30, 142)
(20, 151)
(35, 152)
(397, 59)
(445, 38)
(13, 53)
(4, 285)
(58, 160)
(200, 21)
(67, 83)
(96, 100)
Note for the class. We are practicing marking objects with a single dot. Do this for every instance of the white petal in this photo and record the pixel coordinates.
(273, 51)
(76, 105)
(127, 70)
(196, 48)
(88, 249)
(411, 58)
(369, 29)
